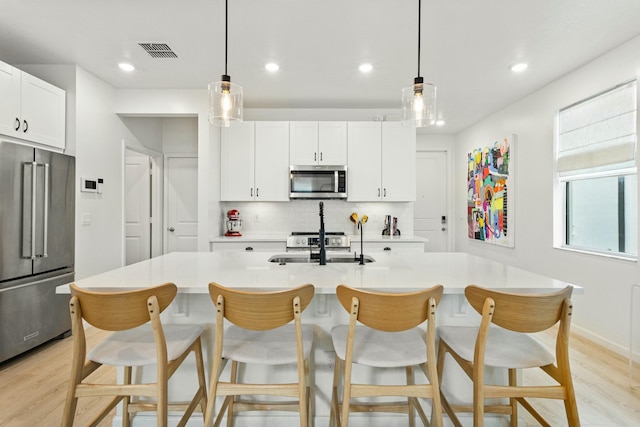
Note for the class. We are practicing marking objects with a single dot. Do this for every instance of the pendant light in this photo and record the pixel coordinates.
(225, 98)
(419, 99)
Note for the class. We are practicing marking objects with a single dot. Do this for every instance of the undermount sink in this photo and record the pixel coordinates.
(286, 259)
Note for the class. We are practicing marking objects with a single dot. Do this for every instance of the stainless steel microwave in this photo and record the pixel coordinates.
(318, 182)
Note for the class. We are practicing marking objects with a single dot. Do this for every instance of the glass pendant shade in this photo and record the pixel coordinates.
(419, 104)
(225, 102)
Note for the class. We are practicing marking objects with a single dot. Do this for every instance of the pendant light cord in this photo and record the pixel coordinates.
(419, 23)
(226, 34)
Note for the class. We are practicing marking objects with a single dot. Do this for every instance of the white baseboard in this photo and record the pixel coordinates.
(598, 339)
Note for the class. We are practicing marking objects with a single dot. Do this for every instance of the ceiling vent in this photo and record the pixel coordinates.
(158, 50)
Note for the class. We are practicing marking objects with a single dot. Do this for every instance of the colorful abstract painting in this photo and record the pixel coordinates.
(490, 193)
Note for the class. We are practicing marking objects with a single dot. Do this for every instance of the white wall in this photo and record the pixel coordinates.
(602, 312)
(180, 135)
(146, 133)
(99, 154)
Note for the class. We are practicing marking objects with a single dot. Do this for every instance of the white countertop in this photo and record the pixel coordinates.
(192, 272)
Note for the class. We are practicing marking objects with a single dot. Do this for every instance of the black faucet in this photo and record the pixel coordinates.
(323, 252)
(361, 243)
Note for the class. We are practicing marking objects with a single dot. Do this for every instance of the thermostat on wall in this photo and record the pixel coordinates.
(89, 185)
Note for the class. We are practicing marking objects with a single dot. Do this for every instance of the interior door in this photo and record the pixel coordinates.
(137, 208)
(181, 203)
(431, 209)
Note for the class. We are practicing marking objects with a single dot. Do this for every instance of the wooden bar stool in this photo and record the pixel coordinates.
(139, 339)
(388, 337)
(260, 333)
(502, 341)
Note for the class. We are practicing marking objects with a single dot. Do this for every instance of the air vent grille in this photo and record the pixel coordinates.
(158, 50)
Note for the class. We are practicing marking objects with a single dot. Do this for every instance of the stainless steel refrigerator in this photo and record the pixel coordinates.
(37, 198)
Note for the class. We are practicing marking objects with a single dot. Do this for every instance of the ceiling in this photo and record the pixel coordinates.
(467, 46)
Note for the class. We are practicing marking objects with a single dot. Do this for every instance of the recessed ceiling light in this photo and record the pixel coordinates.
(519, 67)
(440, 122)
(365, 68)
(272, 66)
(124, 66)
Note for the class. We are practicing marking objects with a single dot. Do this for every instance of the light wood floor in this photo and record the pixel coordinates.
(33, 387)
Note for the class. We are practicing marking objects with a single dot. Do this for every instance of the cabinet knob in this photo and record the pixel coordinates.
(248, 248)
(171, 229)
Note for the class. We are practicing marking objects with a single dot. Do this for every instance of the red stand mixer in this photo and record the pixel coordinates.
(234, 223)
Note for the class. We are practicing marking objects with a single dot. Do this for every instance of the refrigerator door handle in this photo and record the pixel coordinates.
(34, 166)
(46, 210)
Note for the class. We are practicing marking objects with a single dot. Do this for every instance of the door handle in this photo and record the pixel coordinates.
(34, 165)
(171, 229)
(46, 210)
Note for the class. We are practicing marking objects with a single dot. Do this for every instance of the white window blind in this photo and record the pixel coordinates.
(598, 134)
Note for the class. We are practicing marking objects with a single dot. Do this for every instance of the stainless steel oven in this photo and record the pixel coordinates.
(310, 241)
(318, 182)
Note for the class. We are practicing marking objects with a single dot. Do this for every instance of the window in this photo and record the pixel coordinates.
(597, 171)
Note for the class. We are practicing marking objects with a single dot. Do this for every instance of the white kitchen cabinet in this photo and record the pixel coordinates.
(254, 162)
(398, 162)
(381, 163)
(394, 246)
(364, 170)
(272, 162)
(237, 147)
(318, 143)
(30, 108)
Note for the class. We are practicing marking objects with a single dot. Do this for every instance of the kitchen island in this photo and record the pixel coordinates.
(394, 271)
(391, 271)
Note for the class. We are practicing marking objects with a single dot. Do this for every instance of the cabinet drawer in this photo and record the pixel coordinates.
(247, 245)
(392, 246)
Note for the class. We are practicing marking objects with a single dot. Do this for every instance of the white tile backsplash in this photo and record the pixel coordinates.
(303, 215)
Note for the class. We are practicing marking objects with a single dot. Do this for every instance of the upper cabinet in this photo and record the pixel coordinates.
(255, 162)
(255, 158)
(398, 162)
(318, 143)
(381, 162)
(364, 171)
(30, 108)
